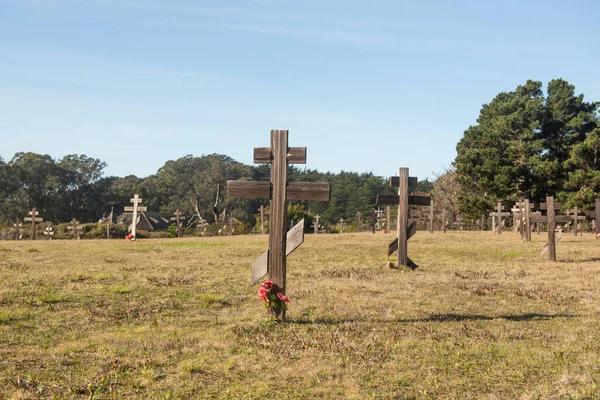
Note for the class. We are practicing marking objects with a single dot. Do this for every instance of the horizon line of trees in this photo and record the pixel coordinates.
(525, 144)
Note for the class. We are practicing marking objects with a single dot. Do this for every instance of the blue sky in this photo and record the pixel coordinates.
(365, 85)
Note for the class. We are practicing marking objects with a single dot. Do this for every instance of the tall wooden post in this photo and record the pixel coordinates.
(402, 220)
(135, 209)
(431, 217)
(316, 223)
(373, 220)
(444, 220)
(551, 227)
(342, 225)
(388, 219)
(527, 221)
(262, 219)
(358, 221)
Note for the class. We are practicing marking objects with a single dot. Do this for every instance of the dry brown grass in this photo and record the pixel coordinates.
(483, 317)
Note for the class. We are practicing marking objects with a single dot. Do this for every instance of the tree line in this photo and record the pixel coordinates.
(526, 143)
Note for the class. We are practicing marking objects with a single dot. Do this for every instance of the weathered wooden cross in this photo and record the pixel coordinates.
(315, 224)
(135, 209)
(75, 228)
(34, 220)
(444, 221)
(373, 220)
(261, 211)
(358, 222)
(388, 219)
(49, 232)
(279, 191)
(178, 218)
(403, 182)
(342, 224)
(499, 214)
(576, 218)
(17, 230)
(551, 219)
(431, 217)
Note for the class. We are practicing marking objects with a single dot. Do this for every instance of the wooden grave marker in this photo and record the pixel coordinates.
(358, 222)
(403, 182)
(373, 220)
(576, 218)
(137, 201)
(279, 191)
(431, 217)
(49, 232)
(262, 214)
(551, 219)
(33, 217)
(17, 230)
(342, 224)
(444, 221)
(388, 219)
(76, 229)
(499, 214)
(315, 225)
(178, 218)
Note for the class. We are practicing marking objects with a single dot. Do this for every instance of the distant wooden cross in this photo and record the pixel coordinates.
(204, 225)
(135, 209)
(444, 221)
(76, 229)
(551, 219)
(17, 230)
(261, 210)
(342, 224)
(33, 217)
(431, 217)
(576, 218)
(178, 218)
(279, 191)
(499, 214)
(49, 232)
(405, 231)
(388, 219)
(595, 216)
(315, 224)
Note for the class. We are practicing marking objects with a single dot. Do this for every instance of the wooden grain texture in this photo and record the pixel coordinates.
(544, 206)
(319, 191)
(527, 222)
(414, 200)
(444, 220)
(550, 206)
(402, 216)
(260, 267)
(277, 231)
(295, 155)
(395, 181)
(249, 189)
(295, 237)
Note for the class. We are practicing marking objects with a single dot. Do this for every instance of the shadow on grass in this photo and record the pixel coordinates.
(585, 260)
(433, 318)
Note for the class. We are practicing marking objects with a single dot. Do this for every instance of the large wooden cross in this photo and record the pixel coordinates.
(551, 219)
(499, 214)
(595, 216)
(403, 182)
(33, 217)
(178, 218)
(279, 191)
(135, 209)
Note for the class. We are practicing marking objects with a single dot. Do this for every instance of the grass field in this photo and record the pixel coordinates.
(483, 317)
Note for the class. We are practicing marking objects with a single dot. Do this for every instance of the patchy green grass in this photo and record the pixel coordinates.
(483, 317)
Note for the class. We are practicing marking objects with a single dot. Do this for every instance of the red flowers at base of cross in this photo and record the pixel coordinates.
(277, 303)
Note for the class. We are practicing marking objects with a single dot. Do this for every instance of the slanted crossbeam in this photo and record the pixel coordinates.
(178, 218)
(279, 191)
(403, 182)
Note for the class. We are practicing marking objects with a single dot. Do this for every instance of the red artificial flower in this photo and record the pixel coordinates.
(283, 297)
(262, 292)
(267, 284)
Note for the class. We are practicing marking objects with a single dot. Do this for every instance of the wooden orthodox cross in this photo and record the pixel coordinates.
(178, 218)
(499, 214)
(49, 232)
(34, 220)
(279, 191)
(75, 228)
(135, 209)
(17, 230)
(403, 182)
(595, 216)
(576, 218)
(431, 217)
(342, 224)
(315, 224)
(551, 219)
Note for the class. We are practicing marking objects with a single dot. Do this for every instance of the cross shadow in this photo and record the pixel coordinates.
(585, 260)
(433, 318)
